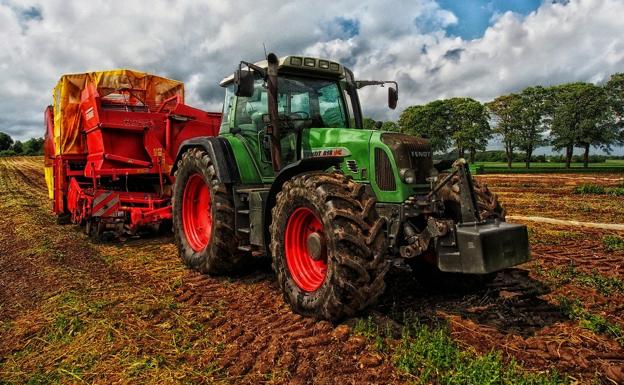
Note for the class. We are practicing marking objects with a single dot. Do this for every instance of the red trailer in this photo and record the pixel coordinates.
(111, 140)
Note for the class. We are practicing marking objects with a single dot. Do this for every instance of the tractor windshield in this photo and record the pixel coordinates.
(310, 102)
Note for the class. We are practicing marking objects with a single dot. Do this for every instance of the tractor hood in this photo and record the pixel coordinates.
(395, 165)
(351, 144)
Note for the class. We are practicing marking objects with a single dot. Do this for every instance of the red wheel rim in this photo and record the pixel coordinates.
(308, 273)
(196, 215)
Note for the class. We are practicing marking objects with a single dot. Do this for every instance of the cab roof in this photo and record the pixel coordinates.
(300, 64)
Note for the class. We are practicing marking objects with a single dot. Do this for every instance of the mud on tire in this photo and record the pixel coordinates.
(487, 202)
(356, 245)
(221, 254)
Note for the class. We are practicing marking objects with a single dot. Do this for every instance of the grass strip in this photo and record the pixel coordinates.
(573, 309)
(596, 189)
(429, 355)
(569, 274)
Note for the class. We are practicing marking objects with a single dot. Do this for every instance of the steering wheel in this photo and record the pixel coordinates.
(301, 115)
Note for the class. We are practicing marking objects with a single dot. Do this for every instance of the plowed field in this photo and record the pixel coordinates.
(73, 310)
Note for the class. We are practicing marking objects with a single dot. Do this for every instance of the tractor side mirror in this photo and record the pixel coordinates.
(393, 97)
(244, 81)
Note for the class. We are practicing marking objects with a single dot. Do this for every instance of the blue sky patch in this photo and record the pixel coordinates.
(474, 16)
(32, 13)
(342, 28)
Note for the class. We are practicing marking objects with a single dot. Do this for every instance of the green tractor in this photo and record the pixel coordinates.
(293, 176)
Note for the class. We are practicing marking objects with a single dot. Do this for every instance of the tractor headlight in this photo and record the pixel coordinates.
(408, 175)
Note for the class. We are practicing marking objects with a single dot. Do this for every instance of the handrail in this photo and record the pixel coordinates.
(167, 101)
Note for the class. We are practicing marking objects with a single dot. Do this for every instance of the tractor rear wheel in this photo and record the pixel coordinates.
(329, 246)
(203, 216)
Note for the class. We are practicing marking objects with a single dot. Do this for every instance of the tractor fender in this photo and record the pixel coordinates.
(299, 167)
(220, 152)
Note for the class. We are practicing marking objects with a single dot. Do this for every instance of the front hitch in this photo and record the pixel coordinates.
(467, 198)
(477, 246)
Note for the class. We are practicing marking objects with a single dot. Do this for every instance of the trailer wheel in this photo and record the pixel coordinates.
(203, 216)
(63, 219)
(329, 246)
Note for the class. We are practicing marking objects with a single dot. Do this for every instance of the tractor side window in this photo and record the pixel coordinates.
(249, 111)
(227, 115)
(331, 106)
(347, 97)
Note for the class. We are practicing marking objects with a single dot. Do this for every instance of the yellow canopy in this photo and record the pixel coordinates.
(67, 138)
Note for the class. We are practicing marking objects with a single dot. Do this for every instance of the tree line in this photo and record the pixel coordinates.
(568, 116)
(9, 147)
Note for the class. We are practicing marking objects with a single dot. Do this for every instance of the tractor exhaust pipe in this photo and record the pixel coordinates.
(273, 129)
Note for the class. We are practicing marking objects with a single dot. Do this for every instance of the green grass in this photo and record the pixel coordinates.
(569, 274)
(431, 356)
(369, 329)
(595, 189)
(547, 167)
(613, 242)
(574, 310)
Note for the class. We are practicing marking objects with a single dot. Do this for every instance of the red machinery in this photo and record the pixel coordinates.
(111, 141)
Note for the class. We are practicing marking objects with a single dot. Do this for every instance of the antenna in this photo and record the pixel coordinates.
(264, 46)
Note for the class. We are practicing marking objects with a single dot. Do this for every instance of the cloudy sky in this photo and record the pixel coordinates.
(435, 49)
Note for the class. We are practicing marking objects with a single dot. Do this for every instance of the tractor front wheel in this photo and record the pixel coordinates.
(487, 202)
(329, 246)
(203, 216)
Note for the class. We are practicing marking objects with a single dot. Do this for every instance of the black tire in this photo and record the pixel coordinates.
(356, 245)
(487, 202)
(221, 254)
(63, 219)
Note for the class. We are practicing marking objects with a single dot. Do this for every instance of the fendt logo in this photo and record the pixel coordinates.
(420, 154)
(324, 152)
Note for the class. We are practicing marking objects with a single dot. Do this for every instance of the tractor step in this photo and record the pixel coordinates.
(249, 204)
(248, 191)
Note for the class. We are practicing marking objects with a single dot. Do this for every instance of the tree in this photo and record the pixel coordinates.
(596, 128)
(563, 128)
(33, 146)
(533, 115)
(18, 147)
(458, 122)
(507, 116)
(368, 124)
(5, 141)
(615, 93)
(371, 124)
(390, 126)
(581, 117)
(432, 120)
(470, 126)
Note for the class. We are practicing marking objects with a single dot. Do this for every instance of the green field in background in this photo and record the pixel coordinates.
(546, 167)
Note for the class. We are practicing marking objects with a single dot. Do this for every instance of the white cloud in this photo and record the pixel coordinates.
(200, 42)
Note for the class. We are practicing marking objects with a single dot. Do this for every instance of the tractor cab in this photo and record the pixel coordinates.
(310, 93)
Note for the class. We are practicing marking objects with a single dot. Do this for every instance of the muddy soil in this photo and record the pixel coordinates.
(73, 310)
